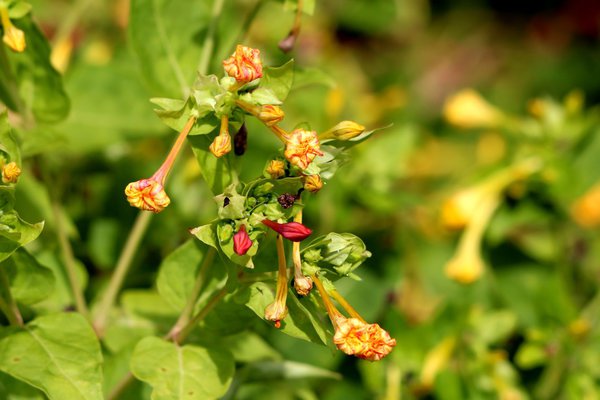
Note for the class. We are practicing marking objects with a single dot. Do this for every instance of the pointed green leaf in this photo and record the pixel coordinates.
(14, 233)
(30, 282)
(40, 85)
(218, 172)
(182, 372)
(58, 354)
(278, 80)
(164, 36)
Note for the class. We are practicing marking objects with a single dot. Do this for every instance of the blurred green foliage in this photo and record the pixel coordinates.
(527, 328)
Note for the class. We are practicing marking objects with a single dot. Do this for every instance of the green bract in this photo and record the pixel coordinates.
(337, 253)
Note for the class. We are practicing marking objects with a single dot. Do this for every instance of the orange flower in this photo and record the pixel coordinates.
(244, 64)
(366, 341)
(11, 172)
(302, 147)
(270, 114)
(277, 310)
(148, 195)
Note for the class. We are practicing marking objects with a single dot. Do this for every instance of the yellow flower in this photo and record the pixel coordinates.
(457, 210)
(464, 269)
(270, 114)
(11, 172)
(148, 195)
(586, 209)
(467, 109)
(13, 37)
(277, 310)
(366, 341)
(275, 168)
(345, 130)
(244, 64)
(313, 183)
(302, 147)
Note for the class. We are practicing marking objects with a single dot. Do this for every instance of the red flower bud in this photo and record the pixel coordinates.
(294, 231)
(241, 241)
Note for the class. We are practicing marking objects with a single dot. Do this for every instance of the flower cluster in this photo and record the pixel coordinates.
(249, 211)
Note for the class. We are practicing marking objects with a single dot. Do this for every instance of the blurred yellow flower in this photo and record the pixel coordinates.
(467, 109)
(13, 37)
(586, 209)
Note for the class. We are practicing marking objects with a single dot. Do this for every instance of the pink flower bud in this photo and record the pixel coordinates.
(241, 241)
(294, 231)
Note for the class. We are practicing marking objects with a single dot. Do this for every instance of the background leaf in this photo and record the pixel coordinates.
(57, 353)
(30, 282)
(176, 372)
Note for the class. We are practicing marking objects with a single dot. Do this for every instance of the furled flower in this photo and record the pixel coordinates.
(467, 109)
(270, 114)
(344, 130)
(275, 169)
(294, 231)
(241, 241)
(13, 37)
(313, 183)
(221, 145)
(147, 194)
(302, 285)
(366, 341)
(244, 64)
(302, 147)
(277, 310)
(10, 172)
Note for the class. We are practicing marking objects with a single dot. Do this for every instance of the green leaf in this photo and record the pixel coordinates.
(278, 80)
(40, 85)
(299, 322)
(275, 370)
(166, 36)
(531, 355)
(178, 372)
(14, 233)
(8, 142)
(30, 282)
(58, 354)
(178, 272)
(175, 114)
(14, 389)
(18, 9)
(207, 234)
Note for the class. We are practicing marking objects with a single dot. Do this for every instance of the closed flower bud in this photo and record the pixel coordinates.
(221, 145)
(366, 341)
(244, 64)
(467, 109)
(241, 241)
(294, 231)
(11, 172)
(345, 130)
(148, 195)
(313, 183)
(13, 37)
(302, 147)
(270, 115)
(275, 169)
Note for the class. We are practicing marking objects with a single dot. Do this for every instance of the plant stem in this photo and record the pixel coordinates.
(209, 41)
(187, 329)
(69, 260)
(133, 241)
(186, 314)
(9, 306)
